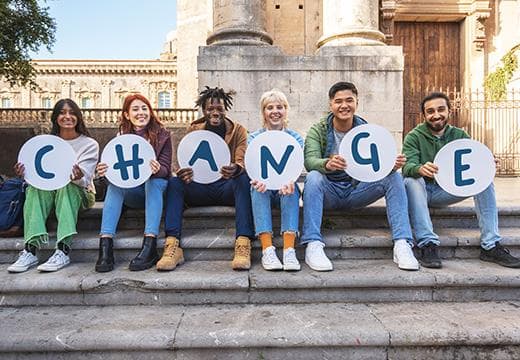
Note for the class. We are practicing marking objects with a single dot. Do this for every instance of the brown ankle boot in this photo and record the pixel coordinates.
(242, 259)
(172, 255)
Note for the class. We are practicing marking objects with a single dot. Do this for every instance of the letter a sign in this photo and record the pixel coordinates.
(48, 162)
(466, 167)
(205, 152)
(128, 158)
(274, 158)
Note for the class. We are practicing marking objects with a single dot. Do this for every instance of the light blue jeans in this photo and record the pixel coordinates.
(422, 194)
(320, 193)
(148, 196)
(289, 206)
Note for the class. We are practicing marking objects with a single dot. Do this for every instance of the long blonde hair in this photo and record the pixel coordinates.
(274, 95)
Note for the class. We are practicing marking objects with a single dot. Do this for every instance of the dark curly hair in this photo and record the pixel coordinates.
(217, 94)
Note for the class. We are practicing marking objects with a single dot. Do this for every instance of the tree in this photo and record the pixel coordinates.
(24, 26)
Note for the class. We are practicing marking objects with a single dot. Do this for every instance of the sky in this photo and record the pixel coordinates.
(109, 29)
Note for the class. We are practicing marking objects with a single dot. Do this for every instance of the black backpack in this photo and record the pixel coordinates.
(12, 197)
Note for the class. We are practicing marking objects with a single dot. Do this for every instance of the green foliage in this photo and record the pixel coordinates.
(25, 27)
(496, 82)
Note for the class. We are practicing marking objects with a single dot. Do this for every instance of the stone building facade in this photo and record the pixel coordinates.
(99, 84)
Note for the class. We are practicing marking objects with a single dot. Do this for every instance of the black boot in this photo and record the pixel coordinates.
(148, 255)
(105, 262)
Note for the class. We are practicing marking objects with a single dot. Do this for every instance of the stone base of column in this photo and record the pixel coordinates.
(354, 37)
(377, 71)
(239, 36)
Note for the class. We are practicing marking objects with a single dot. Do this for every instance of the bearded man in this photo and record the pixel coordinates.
(420, 147)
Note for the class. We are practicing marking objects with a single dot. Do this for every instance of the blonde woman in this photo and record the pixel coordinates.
(274, 108)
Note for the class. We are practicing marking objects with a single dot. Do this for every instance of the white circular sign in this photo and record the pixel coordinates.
(369, 151)
(274, 158)
(128, 158)
(48, 161)
(466, 167)
(205, 152)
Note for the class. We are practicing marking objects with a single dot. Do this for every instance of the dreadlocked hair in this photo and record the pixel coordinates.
(215, 94)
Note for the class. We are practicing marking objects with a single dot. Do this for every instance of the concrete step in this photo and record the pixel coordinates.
(213, 282)
(461, 215)
(477, 330)
(217, 244)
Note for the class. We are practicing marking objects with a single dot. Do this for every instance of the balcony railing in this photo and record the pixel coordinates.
(12, 117)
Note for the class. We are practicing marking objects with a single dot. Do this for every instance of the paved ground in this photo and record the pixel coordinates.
(508, 191)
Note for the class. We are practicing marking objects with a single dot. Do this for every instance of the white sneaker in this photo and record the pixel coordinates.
(26, 260)
(269, 259)
(290, 262)
(403, 256)
(57, 261)
(315, 257)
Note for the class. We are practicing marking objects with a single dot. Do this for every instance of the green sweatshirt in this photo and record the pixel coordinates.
(420, 146)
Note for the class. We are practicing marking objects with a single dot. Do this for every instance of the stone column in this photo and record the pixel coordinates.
(353, 22)
(106, 93)
(239, 22)
(66, 89)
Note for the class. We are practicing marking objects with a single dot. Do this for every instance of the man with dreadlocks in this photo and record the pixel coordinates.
(231, 189)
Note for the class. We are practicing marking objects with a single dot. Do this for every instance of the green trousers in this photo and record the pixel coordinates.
(67, 201)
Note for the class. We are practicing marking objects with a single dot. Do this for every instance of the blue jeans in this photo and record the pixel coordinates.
(230, 192)
(148, 196)
(422, 194)
(289, 206)
(320, 193)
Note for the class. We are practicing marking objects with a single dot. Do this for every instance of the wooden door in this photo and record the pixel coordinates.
(431, 63)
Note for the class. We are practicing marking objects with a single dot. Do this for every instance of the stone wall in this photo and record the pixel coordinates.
(251, 70)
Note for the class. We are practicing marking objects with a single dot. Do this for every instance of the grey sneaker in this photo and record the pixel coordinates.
(290, 262)
(26, 260)
(57, 261)
(269, 259)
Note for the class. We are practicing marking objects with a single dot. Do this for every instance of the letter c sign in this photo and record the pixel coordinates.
(48, 162)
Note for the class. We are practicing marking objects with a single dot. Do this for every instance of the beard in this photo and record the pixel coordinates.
(438, 126)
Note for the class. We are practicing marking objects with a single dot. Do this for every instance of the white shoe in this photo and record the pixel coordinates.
(57, 261)
(26, 260)
(403, 256)
(315, 257)
(290, 262)
(269, 259)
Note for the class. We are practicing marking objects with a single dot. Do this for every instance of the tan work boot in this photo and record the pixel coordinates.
(242, 259)
(172, 255)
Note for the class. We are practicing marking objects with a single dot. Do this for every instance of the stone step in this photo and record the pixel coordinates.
(461, 215)
(461, 330)
(213, 282)
(217, 244)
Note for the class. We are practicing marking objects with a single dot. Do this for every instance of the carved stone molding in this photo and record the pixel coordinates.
(480, 30)
(386, 19)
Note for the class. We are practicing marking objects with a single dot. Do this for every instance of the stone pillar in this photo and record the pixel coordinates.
(353, 22)
(106, 93)
(66, 89)
(239, 22)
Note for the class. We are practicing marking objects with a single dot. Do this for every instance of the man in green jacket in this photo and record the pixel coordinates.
(420, 147)
(328, 186)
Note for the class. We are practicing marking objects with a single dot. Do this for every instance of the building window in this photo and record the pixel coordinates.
(46, 103)
(164, 100)
(6, 102)
(86, 102)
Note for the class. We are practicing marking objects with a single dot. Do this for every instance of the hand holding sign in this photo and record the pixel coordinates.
(128, 159)
(274, 158)
(369, 151)
(46, 162)
(205, 153)
(466, 167)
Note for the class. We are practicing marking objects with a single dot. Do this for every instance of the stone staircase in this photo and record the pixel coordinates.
(365, 309)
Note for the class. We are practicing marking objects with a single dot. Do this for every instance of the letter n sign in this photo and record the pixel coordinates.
(275, 158)
(128, 158)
